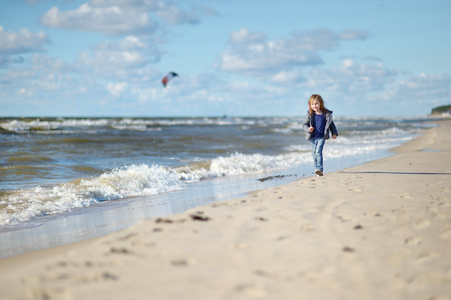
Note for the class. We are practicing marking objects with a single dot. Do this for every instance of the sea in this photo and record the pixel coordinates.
(64, 180)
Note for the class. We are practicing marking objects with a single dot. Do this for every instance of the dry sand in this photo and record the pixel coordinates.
(377, 231)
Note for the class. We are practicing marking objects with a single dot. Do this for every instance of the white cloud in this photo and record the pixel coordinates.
(129, 4)
(433, 89)
(112, 20)
(350, 76)
(146, 94)
(117, 89)
(167, 10)
(125, 59)
(129, 43)
(244, 36)
(254, 54)
(41, 68)
(50, 65)
(104, 61)
(264, 58)
(353, 35)
(22, 42)
(321, 39)
(174, 15)
(287, 77)
(122, 17)
(369, 88)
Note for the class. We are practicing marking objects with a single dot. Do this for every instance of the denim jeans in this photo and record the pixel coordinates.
(317, 151)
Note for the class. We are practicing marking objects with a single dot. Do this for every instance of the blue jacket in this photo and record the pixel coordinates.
(310, 122)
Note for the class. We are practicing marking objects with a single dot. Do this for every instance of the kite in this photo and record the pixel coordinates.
(168, 77)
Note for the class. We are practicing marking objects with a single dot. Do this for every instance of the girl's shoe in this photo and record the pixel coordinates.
(318, 172)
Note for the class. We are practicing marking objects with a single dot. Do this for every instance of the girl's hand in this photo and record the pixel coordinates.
(310, 129)
(334, 136)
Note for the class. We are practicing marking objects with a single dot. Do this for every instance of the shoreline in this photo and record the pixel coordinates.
(382, 228)
(111, 216)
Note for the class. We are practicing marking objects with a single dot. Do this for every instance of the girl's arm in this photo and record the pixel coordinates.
(306, 123)
(333, 128)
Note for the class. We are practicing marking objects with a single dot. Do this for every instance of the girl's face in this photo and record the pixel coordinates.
(316, 106)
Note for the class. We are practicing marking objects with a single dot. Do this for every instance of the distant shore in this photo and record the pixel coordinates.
(377, 231)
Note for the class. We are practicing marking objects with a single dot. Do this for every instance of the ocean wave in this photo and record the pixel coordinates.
(75, 125)
(150, 178)
(134, 180)
(144, 180)
(240, 164)
(129, 181)
(60, 125)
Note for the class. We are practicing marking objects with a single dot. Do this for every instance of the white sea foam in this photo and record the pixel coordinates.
(45, 125)
(133, 180)
(240, 164)
(50, 125)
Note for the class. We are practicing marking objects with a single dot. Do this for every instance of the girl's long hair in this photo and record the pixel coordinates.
(320, 100)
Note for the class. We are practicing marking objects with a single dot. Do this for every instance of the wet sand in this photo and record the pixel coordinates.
(378, 231)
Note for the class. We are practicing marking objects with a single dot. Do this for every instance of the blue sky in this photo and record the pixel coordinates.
(234, 57)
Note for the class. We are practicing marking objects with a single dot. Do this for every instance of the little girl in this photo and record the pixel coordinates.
(317, 123)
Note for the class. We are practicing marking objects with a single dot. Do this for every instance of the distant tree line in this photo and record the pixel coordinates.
(441, 109)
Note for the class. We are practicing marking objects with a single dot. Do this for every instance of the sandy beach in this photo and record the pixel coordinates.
(377, 231)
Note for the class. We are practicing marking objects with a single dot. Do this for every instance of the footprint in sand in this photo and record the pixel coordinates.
(348, 249)
(426, 256)
(405, 196)
(274, 276)
(116, 250)
(75, 265)
(412, 241)
(422, 224)
(199, 216)
(127, 237)
(46, 293)
(93, 277)
(62, 264)
(374, 214)
(75, 276)
(182, 262)
(344, 219)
